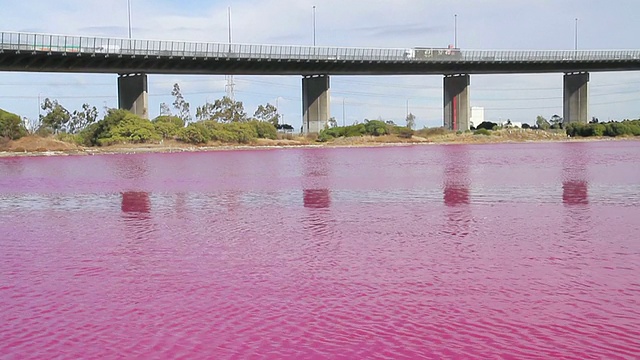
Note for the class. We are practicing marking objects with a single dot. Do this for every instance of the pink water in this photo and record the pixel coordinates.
(489, 251)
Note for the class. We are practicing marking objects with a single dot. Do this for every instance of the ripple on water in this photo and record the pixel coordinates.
(493, 251)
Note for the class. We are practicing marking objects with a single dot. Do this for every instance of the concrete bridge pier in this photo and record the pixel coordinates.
(456, 102)
(576, 97)
(315, 103)
(133, 94)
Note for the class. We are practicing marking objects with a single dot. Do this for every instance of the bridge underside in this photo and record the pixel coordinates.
(129, 64)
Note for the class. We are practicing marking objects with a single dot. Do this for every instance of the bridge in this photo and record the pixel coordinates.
(133, 59)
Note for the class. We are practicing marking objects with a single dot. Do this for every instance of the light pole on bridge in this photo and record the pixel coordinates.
(314, 25)
(455, 31)
(576, 36)
(129, 15)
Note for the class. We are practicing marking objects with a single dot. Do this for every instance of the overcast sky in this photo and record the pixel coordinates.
(486, 24)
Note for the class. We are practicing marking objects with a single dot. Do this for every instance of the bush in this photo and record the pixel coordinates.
(376, 128)
(426, 132)
(265, 130)
(130, 129)
(11, 126)
(404, 132)
(244, 133)
(168, 126)
(119, 126)
(196, 133)
(69, 138)
(355, 130)
(482, 131)
(616, 129)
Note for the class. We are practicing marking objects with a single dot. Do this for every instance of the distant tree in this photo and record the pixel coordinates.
(205, 112)
(267, 113)
(56, 117)
(526, 126)
(390, 122)
(411, 121)
(488, 125)
(333, 122)
(227, 110)
(81, 119)
(165, 110)
(556, 120)
(183, 107)
(542, 123)
(594, 120)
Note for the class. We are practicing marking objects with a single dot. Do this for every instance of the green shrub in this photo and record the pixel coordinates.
(616, 129)
(196, 133)
(355, 130)
(69, 138)
(11, 126)
(426, 132)
(404, 132)
(482, 131)
(376, 128)
(168, 126)
(265, 130)
(119, 126)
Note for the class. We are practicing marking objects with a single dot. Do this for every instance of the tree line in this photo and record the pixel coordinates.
(223, 120)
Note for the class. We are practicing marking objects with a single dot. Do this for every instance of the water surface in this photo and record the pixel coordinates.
(457, 251)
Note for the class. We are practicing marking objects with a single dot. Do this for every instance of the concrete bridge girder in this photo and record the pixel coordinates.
(315, 103)
(457, 107)
(133, 94)
(576, 97)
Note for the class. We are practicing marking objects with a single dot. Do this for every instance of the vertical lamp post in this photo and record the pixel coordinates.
(576, 36)
(455, 31)
(314, 25)
(343, 113)
(129, 13)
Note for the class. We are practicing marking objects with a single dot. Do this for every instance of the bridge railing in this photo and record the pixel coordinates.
(14, 41)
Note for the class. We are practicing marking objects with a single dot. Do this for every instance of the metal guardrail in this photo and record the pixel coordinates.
(15, 41)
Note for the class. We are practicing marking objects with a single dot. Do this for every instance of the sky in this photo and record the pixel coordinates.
(481, 25)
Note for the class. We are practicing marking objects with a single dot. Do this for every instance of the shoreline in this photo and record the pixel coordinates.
(180, 147)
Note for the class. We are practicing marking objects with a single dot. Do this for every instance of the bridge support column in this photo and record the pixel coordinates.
(576, 97)
(456, 102)
(133, 94)
(315, 103)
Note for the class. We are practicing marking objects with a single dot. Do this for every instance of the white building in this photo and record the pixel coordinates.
(477, 116)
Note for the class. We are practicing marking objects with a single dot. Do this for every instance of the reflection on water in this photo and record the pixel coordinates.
(317, 198)
(136, 213)
(577, 223)
(575, 192)
(131, 167)
(456, 191)
(135, 202)
(575, 186)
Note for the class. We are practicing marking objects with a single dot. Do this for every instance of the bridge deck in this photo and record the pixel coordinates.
(60, 53)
